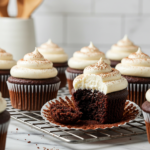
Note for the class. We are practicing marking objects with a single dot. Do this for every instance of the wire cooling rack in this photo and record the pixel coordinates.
(34, 120)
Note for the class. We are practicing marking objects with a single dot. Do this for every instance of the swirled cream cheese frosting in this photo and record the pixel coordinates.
(122, 49)
(2, 103)
(34, 66)
(53, 52)
(148, 95)
(136, 64)
(85, 57)
(101, 77)
(6, 60)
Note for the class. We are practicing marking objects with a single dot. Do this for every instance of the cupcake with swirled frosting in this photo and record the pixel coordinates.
(121, 50)
(6, 63)
(4, 122)
(57, 55)
(100, 93)
(33, 82)
(86, 56)
(136, 69)
(146, 113)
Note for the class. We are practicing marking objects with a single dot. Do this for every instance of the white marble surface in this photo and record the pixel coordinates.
(16, 141)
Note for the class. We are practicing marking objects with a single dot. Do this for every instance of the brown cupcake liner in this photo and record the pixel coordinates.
(62, 76)
(31, 97)
(3, 134)
(131, 111)
(137, 92)
(70, 77)
(3, 86)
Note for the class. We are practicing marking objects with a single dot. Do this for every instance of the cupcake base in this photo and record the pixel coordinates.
(71, 74)
(114, 63)
(27, 94)
(137, 88)
(4, 74)
(61, 67)
(4, 123)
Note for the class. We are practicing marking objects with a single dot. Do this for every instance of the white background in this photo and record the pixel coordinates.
(72, 24)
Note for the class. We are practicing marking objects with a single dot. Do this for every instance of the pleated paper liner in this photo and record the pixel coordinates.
(31, 97)
(70, 77)
(131, 111)
(137, 92)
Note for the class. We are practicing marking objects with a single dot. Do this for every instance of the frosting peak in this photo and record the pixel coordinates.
(100, 76)
(148, 95)
(122, 49)
(136, 64)
(2, 103)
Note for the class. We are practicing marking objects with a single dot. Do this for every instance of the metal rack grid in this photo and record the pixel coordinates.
(34, 120)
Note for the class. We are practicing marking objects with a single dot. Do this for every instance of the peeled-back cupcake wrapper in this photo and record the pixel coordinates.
(146, 116)
(70, 75)
(4, 127)
(137, 92)
(61, 69)
(31, 97)
(3, 86)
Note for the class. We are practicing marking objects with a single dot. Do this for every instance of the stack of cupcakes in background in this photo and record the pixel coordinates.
(4, 122)
(120, 50)
(59, 58)
(81, 59)
(6, 62)
(136, 69)
(33, 82)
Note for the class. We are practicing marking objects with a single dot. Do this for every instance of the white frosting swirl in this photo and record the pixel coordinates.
(148, 95)
(6, 60)
(101, 77)
(2, 103)
(136, 64)
(122, 49)
(86, 56)
(53, 52)
(34, 66)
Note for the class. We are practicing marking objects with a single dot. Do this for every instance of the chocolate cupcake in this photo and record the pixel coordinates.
(59, 58)
(100, 93)
(121, 50)
(4, 122)
(136, 69)
(146, 113)
(81, 59)
(33, 82)
(6, 62)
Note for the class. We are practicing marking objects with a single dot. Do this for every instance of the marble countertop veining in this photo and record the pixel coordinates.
(19, 138)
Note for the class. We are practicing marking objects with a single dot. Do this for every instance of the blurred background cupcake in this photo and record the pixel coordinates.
(59, 58)
(6, 62)
(136, 69)
(122, 49)
(146, 113)
(4, 122)
(33, 82)
(81, 59)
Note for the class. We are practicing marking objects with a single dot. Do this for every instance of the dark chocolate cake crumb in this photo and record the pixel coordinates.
(38, 148)
(28, 134)
(16, 128)
(29, 141)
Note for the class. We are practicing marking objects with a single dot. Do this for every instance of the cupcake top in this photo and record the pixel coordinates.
(136, 64)
(53, 52)
(6, 60)
(85, 57)
(122, 49)
(34, 66)
(146, 105)
(148, 95)
(2, 103)
(100, 76)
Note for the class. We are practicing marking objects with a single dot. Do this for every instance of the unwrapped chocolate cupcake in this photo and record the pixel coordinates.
(4, 122)
(6, 62)
(100, 93)
(146, 113)
(33, 82)
(81, 59)
(121, 50)
(136, 69)
(59, 58)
